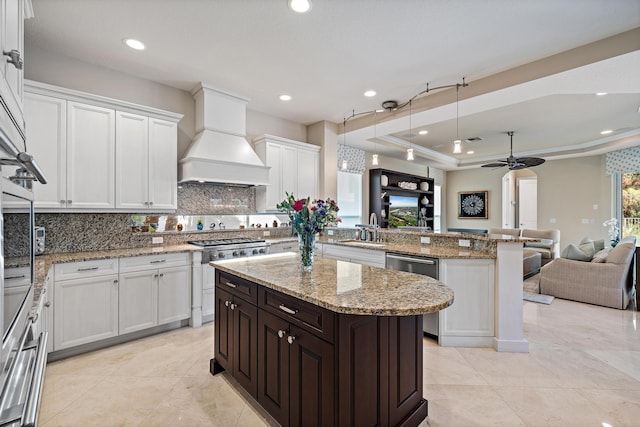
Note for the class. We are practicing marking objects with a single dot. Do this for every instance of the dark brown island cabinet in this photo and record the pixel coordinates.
(310, 366)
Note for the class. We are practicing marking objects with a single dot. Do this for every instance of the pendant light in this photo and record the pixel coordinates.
(344, 142)
(457, 144)
(374, 158)
(410, 149)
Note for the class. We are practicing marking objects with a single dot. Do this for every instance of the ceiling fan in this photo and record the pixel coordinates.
(515, 163)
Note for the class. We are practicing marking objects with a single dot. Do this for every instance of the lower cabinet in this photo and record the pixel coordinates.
(372, 257)
(295, 373)
(85, 310)
(95, 300)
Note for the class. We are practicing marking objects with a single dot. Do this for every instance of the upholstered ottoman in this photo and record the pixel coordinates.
(531, 261)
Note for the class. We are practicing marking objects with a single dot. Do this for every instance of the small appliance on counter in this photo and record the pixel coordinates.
(39, 234)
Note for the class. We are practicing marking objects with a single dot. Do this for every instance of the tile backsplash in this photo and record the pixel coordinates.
(212, 204)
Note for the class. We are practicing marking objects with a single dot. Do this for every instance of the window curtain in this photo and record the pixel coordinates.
(437, 175)
(355, 158)
(623, 161)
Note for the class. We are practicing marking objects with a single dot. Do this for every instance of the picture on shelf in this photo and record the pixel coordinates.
(403, 211)
(473, 204)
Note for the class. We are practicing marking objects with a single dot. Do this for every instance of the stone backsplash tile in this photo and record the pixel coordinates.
(210, 199)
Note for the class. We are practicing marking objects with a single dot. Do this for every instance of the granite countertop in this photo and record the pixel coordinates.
(415, 249)
(344, 287)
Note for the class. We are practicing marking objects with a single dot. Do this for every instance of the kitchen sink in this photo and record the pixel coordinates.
(362, 243)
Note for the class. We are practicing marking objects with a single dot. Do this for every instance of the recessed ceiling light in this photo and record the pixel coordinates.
(300, 6)
(423, 132)
(470, 152)
(370, 93)
(134, 44)
(606, 132)
(285, 98)
(601, 93)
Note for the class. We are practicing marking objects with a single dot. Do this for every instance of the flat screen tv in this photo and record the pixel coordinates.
(403, 211)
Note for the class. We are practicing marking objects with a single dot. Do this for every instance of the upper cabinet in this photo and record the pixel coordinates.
(295, 169)
(12, 15)
(101, 155)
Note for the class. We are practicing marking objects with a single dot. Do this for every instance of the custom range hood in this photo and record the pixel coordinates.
(220, 153)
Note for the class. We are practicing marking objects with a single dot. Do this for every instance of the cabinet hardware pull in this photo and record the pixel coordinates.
(231, 285)
(161, 274)
(226, 303)
(287, 309)
(87, 268)
(47, 304)
(281, 333)
(150, 203)
(34, 319)
(62, 202)
(291, 339)
(233, 306)
(14, 58)
(115, 280)
(158, 261)
(68, 202)
(15, 277)
(155, 275)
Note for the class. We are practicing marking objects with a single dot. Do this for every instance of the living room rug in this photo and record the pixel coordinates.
(539, 298)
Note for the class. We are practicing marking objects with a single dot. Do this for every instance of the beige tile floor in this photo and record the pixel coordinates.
(583, 370)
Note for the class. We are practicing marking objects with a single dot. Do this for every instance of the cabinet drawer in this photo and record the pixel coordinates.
(80, 269)
(151, 262)
(237, 286)
(18, 276)
(314, 319)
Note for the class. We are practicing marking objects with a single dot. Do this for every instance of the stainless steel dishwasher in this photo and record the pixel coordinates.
(418, 265)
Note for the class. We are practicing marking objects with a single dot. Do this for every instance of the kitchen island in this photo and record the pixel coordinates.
(340, 345)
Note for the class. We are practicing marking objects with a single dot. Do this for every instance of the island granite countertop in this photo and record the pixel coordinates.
(344, 287)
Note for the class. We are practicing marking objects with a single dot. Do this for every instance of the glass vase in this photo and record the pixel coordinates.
(306, 243)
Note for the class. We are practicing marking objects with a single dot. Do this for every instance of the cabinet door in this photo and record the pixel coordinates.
(174, 294)
(138, 301)
(245, 354)
(274, 192)
(208, 303)
(47, 313)
(223, 344)
(86, 310)
(47, 134)
(90, 156)
(308, 173)
(273, 366)
(311, 380)
(132, 161)
(12, 20)
(163, 164)
(289, 174)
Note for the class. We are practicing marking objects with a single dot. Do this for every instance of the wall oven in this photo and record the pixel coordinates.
(23, 355)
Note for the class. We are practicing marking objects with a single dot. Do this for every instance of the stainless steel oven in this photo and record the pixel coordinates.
(23, 355)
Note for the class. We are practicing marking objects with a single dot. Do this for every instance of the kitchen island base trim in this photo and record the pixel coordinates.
(511, 346)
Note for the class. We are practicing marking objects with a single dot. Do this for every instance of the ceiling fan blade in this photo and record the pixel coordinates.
(530, 161)
(494, 165)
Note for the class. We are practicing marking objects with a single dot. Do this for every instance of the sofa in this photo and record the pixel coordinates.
(605, 280)
(548, 247)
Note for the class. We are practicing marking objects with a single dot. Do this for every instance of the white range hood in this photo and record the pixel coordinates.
(220, 153)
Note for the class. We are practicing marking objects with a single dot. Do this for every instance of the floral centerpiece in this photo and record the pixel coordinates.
(308, 218)
(614, 230)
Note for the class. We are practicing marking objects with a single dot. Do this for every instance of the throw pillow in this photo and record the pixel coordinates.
(598, 244)
(575, 253)
(543, 243)
(621, 254)
(588, 248)
(601, 255)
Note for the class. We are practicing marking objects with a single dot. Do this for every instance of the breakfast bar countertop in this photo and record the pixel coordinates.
(344, 287)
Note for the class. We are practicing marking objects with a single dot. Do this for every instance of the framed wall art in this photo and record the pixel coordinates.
(473, 204)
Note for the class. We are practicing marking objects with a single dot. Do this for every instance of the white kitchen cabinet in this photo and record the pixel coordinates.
(12, 14)
(90, 156)
(372, 257)
(85, 310)
(208, 295)
(100, 154)
(146, 164)
(151, 295)
(294, 169)
(47, 133)
(470, 320)
(138, 301)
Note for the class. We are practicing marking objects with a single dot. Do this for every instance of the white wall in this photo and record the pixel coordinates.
(259, 124)
(568, 189)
